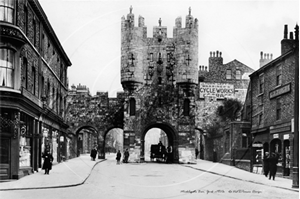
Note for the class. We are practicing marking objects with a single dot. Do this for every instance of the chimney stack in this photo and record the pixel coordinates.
(287, 44)
(265, 58)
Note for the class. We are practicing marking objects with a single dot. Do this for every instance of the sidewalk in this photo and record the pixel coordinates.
(72, 172)
(239, 174)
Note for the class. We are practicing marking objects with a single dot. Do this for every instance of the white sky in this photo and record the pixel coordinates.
(90, 31)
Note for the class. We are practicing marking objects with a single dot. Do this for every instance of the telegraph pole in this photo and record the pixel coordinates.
(296, 115)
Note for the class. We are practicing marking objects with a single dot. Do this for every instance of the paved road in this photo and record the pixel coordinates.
(152, 180)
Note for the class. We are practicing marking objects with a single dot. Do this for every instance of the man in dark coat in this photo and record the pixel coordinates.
(273, 160)
(266, 166)
(48, 159)
(93, 153)
(126, 156)
(118, 158)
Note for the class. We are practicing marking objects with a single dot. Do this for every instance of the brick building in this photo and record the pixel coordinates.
(217, 82)
(33, 89)
(272, 103)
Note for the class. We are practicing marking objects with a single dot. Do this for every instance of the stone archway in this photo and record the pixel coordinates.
(85, 141)
(101, 148)
(172, 139)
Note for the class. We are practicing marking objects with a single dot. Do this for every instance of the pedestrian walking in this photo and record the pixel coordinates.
(94, 153)
(169, 154)
(126, 156)
(273, 160)
(48, 159)
(266, 165)
(118, 158)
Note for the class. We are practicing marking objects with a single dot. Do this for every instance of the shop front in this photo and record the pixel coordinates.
(280, 144)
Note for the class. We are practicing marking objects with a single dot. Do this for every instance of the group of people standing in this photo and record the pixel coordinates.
(270, 165)
(119, 155)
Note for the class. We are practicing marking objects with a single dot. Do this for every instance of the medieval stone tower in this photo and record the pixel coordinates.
(159, 76)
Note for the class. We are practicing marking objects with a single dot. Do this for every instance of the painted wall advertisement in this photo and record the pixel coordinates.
(218, 90)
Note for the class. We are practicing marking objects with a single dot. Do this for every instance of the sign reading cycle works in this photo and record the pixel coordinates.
(219, 90)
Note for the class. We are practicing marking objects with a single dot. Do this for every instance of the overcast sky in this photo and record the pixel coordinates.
(90, 31)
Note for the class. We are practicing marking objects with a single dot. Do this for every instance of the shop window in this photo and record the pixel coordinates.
(6, 67)
(244, 140)
(4, 150)
(7, 11)
(26, 131)
(228, 74)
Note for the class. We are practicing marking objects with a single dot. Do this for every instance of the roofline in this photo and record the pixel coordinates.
(241, 63)
(272, 62)
(43, 17)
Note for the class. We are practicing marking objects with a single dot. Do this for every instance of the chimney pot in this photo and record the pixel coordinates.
(285, 31)
(291, 36)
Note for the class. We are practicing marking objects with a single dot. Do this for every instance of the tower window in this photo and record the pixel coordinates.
(132, 107)
(186, 107)
(159, 80)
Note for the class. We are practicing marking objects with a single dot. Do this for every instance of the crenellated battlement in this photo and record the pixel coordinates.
(147, 60)
(128, 24)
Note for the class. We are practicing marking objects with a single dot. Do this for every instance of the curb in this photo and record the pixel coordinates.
(295, 190)
(58, 186)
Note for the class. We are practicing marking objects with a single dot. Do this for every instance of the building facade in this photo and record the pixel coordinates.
(33, 89)
(219, 81)
(272, 102)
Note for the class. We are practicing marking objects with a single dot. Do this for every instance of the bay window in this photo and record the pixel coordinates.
(7, 10)
(6, 67)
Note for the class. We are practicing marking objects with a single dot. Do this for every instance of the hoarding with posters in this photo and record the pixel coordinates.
(219, 90)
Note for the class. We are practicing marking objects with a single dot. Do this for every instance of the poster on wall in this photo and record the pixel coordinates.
(217, 90)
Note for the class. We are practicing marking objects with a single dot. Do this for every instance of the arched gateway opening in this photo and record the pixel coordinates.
(113, 140)
(85, 139)
(155, 133)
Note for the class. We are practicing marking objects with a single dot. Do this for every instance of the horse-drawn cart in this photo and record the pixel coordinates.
(158, 152)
